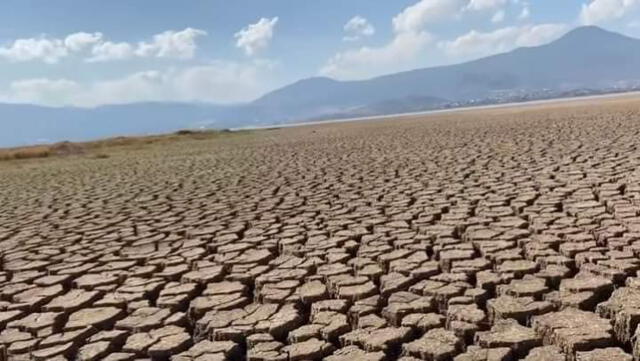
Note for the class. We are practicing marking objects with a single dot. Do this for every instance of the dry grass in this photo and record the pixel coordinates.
(101, 149)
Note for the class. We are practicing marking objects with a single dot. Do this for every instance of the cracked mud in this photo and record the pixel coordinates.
(492, 235)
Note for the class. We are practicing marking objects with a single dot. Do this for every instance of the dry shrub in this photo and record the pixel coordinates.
(99, 148)
(68, 148)
(26, 153)
(184, 132)
(42, 151)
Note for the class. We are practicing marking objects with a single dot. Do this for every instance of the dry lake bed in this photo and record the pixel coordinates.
(479, 235)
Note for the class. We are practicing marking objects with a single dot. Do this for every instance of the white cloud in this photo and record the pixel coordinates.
(536, 35)
(223, 82)
(169, 44)
(480, 5)
(599, 11)
(477, 44)
(46, 91)
(365, 62)
(357, 28)
(109, 51)
(498, 17)
(415, 17)
(525, 11)
(172, 44)
(47, 50)
(256, 37)
(408, 48)
(219, 82)
(401, 53)
(80, 41)
(138, 87)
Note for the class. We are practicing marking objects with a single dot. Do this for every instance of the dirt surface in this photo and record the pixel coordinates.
(504, 234)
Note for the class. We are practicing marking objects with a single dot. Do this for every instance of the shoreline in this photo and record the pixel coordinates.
(442, 111)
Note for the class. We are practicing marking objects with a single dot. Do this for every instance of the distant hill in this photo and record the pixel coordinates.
(586, 57)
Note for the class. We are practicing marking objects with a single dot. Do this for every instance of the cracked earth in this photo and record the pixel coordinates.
(491, 235)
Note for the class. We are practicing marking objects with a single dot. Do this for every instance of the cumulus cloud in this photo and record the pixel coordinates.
(477, 44)
(410, 39)
(169, 44)
(357, 28)
(219, 82)
(52, 91)
(80, 41)
(108, 51)
(223, 82)
(415, 17)
(480, 5)
(172, 44)
(600, 11)
(256, 37)
(365, 62)
(47, 50)
(498, 17)
(138, 87)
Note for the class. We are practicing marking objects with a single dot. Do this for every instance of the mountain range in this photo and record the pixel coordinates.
(586, 57)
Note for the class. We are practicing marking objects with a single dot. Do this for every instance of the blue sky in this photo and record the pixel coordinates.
(93, 52)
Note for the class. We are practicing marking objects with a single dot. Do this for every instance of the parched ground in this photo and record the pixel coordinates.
(487, 235)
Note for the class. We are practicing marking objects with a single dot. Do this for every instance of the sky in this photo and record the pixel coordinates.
(88, 53)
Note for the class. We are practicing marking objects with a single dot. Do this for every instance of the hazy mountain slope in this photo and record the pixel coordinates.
(586, 56)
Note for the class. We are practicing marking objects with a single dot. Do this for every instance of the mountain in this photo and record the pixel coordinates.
(586, 57)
